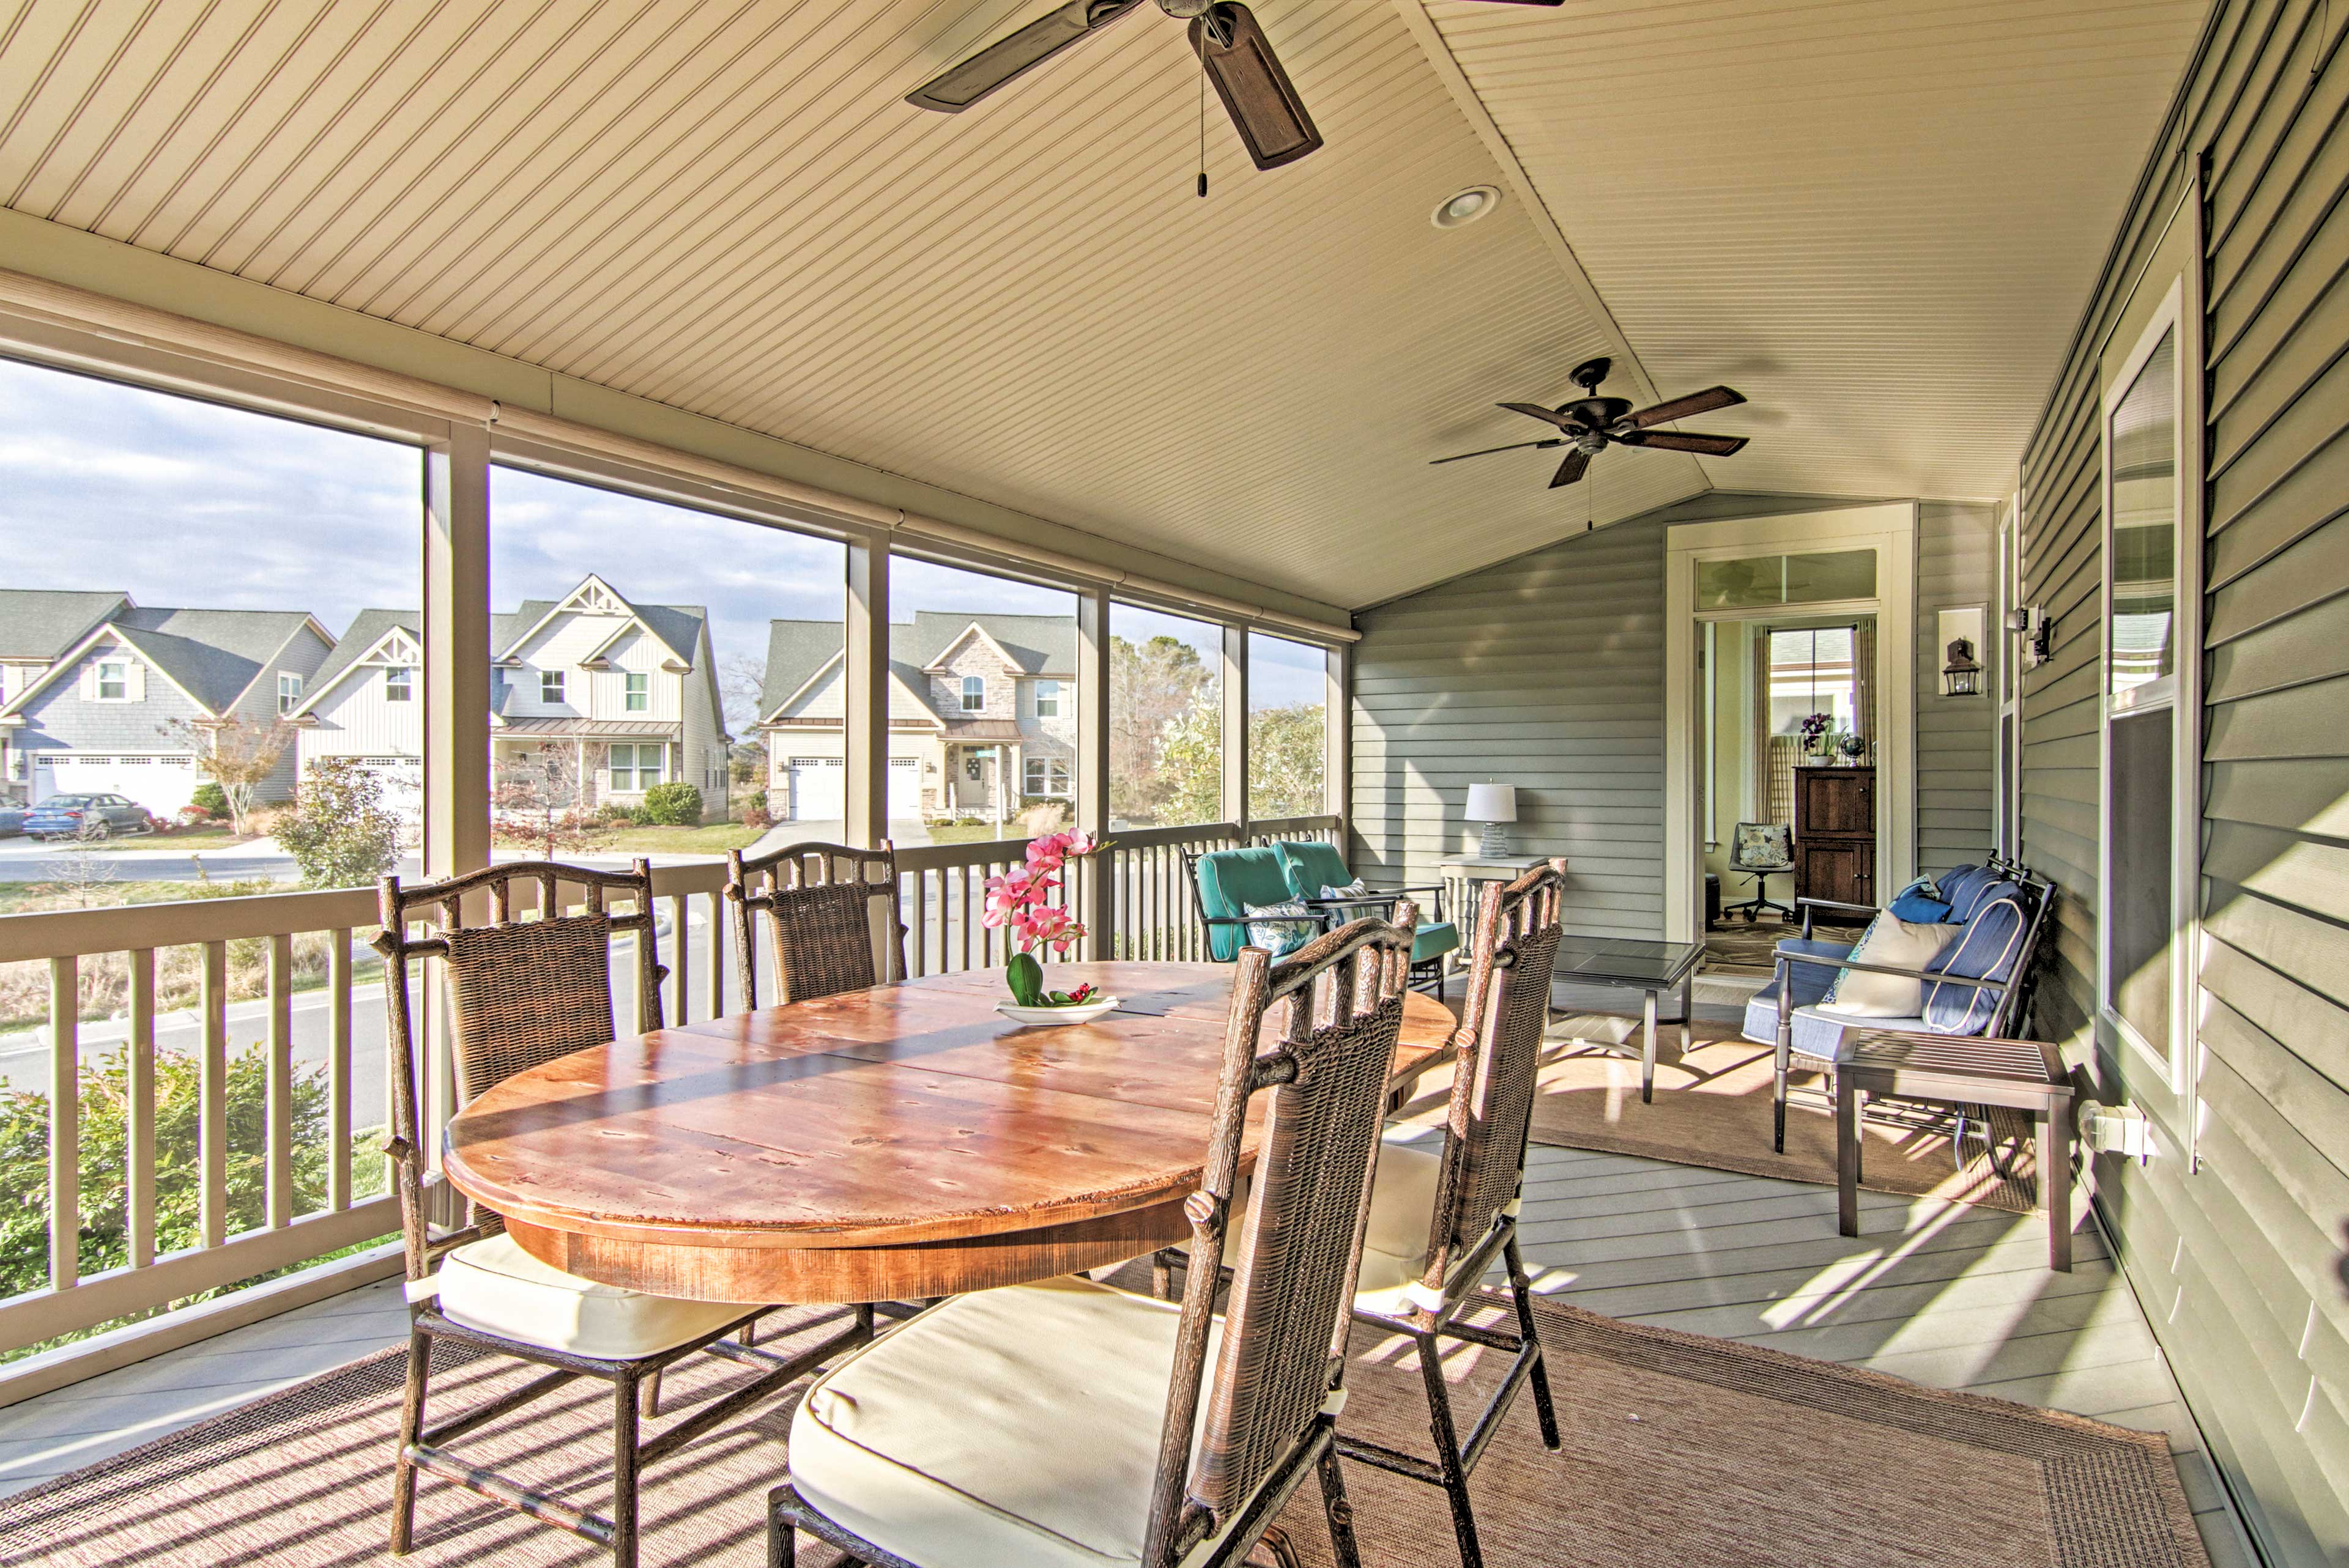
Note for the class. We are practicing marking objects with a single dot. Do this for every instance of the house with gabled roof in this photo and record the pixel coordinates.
(982, 714)
(125, 706)
(619, 696)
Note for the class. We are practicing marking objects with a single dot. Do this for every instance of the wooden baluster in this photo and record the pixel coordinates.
(680, 969)
(278, 1131)
(716, 963)
(139, 1119)
(966, 917)
(65, 1122)
(338, 1070)
(211, 1099)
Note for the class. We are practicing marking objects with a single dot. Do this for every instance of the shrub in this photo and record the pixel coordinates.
(756, 816)
(193, 816)
(673, 805)
(105, 1099)
(211, 797)
(340, 834)
(614, 817)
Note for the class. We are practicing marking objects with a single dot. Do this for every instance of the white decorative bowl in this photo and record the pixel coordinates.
(1081, 1013)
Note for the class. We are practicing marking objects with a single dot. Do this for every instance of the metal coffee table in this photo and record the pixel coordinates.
(1652, 967)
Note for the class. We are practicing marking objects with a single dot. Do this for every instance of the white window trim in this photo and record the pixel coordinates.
(1890, 529)
(400, 683)
(552, 680)
(2180, 691)
(633, 698)
(98, 681)
(1058, 688)
(289, 691)
(1045, 766)
(968, 704)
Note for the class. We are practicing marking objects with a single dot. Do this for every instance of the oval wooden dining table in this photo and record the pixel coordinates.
(900, 1142)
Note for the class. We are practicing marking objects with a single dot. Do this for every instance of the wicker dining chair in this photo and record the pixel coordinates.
(833, 909)
(1071, 1432)
(1438, 1218)
(523, 991)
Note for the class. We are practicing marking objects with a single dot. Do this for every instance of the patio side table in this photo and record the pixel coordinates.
(1652, 967)
(1959, 1069)
(1461, 878)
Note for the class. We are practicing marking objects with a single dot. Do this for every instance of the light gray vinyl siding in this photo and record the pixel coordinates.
(1957, 568)
(1546, 672)
(2238, 1262)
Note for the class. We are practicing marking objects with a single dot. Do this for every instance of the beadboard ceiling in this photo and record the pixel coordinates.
(1878, 219)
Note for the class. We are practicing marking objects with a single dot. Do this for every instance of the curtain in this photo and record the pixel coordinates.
(1863, 684)
(1770, 759)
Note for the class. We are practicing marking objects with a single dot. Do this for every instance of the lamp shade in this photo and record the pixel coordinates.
(1492, 802)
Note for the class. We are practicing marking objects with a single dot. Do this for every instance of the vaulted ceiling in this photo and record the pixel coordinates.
(1878, 218)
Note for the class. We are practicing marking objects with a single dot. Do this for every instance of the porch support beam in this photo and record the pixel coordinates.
(456, 708)
(1236, 727)
(1338, 743)
(1092, 771)
(866, 689)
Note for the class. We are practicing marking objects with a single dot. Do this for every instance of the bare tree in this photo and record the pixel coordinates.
(239, 754)
(539, 804)
(82, 876)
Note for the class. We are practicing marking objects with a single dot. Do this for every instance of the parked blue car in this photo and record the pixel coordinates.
(95, 816)
(12, 821)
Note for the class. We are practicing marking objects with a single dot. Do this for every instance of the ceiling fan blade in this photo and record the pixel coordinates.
(1703, 402)
(956, 89)
(1488, 451)
(1549, 416)
(1571, 469)
(1673, 441)
(1257, 93)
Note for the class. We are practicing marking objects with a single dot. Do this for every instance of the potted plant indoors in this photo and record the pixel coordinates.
(1020, 903)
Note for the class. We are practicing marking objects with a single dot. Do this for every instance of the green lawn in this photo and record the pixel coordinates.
(681, 840)
(977, 834)
(218, 838)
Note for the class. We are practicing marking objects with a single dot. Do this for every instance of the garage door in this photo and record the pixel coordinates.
(819, 789)
(904, 786)
(161, 784)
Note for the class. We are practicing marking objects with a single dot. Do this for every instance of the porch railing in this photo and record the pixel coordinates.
(234, 963)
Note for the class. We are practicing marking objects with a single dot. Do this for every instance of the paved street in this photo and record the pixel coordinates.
(154, 859)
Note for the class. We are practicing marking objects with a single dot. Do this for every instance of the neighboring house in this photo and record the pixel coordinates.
(38, 626)
(128, 704)
(619, 696)
(982, 714)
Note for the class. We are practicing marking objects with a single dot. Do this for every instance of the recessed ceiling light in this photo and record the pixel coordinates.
(1468, 206)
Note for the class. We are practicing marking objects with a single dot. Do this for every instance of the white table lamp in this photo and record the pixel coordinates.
(1496, 806)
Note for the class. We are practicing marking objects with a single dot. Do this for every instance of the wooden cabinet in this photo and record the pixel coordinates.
(1835, 833)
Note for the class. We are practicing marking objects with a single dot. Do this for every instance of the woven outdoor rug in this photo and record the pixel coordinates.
(1732, 947)
(1679, 1449)
(1713, 1109)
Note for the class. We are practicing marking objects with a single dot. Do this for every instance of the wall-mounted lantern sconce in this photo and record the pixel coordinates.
(1962, 676)
(1960, 641)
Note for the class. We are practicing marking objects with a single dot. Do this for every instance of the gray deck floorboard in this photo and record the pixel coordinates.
(1947, 1295)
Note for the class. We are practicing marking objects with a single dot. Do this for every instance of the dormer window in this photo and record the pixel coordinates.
(550, 687)
(974, 694)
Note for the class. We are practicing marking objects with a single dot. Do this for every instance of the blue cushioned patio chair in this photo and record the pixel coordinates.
(1225, 882)
(1980, 985)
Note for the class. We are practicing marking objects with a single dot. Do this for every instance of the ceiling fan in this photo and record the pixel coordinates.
(1592, 424)
(1257, 93)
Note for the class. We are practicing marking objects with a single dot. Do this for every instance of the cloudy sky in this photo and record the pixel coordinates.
(178, 502)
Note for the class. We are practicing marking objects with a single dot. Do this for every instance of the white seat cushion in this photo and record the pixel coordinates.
(1000, 1429)
(1904, 943)
(493, 1285)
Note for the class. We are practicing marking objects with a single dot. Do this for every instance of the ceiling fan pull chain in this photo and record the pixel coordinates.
(1203, 130)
